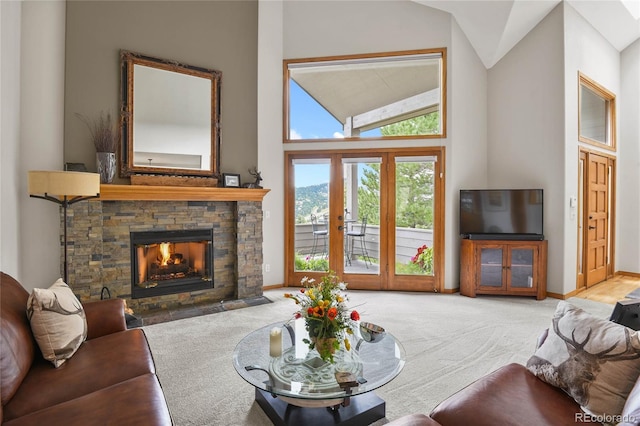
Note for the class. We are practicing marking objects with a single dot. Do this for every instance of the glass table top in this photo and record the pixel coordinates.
(300, 373)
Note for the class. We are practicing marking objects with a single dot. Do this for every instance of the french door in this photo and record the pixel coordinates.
(374, 217)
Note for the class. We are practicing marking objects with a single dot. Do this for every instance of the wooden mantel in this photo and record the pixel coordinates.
(178, 193)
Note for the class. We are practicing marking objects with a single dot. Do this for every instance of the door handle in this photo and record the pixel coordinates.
(340, 227)
(592, 227)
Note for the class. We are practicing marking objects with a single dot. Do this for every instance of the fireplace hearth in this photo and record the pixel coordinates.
(100, 235)
(168, 262)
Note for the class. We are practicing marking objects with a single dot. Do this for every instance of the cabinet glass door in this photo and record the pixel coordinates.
(522, 268)
(491, 267)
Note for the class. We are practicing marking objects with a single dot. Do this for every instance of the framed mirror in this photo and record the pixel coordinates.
(170, 117)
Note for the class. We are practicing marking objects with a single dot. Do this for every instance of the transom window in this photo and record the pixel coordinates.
(397, 95)
(596, 114)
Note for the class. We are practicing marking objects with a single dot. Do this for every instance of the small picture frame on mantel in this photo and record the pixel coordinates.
(231, 180)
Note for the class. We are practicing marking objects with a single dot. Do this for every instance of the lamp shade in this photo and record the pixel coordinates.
(61, 183)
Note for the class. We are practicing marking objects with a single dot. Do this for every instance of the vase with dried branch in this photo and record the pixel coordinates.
(105, 133)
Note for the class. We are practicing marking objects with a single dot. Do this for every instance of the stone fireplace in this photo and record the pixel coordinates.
(103, 239)
(167, 262)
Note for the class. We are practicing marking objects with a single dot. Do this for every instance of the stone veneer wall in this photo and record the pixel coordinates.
(99, 247)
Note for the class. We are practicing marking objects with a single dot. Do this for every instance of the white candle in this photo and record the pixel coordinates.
(275, 342)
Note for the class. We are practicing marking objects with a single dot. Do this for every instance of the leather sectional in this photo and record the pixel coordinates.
(110, 379)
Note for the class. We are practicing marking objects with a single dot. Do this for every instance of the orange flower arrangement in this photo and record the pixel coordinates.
(323, 306)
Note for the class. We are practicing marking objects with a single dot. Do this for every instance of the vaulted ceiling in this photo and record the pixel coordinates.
(494, 27)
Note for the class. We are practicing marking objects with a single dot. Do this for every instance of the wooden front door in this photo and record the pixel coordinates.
(597, 220)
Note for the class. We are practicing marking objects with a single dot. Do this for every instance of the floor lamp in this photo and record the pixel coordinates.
(64, 188)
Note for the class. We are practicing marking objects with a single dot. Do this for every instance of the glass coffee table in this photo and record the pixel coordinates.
(295, 386)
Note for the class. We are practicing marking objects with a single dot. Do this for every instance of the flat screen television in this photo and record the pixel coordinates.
(501, 214)
(627, 313)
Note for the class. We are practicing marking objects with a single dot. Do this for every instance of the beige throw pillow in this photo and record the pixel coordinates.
(594, 360)
(57, 321)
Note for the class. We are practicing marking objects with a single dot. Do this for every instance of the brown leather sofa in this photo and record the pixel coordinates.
(511, 395)
(110, 379)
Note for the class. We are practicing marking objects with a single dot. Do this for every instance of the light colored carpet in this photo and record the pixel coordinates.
(450, 340)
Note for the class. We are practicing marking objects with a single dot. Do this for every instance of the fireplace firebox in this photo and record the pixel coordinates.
(168, 262)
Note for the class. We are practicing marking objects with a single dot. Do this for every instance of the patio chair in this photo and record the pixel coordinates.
(359, 235)
(320, 231)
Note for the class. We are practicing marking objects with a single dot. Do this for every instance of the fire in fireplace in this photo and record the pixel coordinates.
(166, 262)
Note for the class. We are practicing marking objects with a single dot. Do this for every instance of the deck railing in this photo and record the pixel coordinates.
(408, 240)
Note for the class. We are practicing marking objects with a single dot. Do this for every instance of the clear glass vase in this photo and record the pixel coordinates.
(106, 165)
(325, 346)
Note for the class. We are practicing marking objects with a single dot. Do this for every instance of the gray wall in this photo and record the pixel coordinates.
(526, 125)
(586, 51)
(32, 35)
(10, 26)
(355, 28)
(628, 249)
(222, 35)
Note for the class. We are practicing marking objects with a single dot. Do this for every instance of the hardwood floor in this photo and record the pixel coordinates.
(612, 290)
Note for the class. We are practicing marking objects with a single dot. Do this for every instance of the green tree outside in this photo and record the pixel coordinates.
(414, 180)
(428, 124)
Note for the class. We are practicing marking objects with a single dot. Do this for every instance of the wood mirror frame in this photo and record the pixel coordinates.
(152, 131)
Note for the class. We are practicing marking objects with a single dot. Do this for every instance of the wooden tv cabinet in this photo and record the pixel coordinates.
(503, 267)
